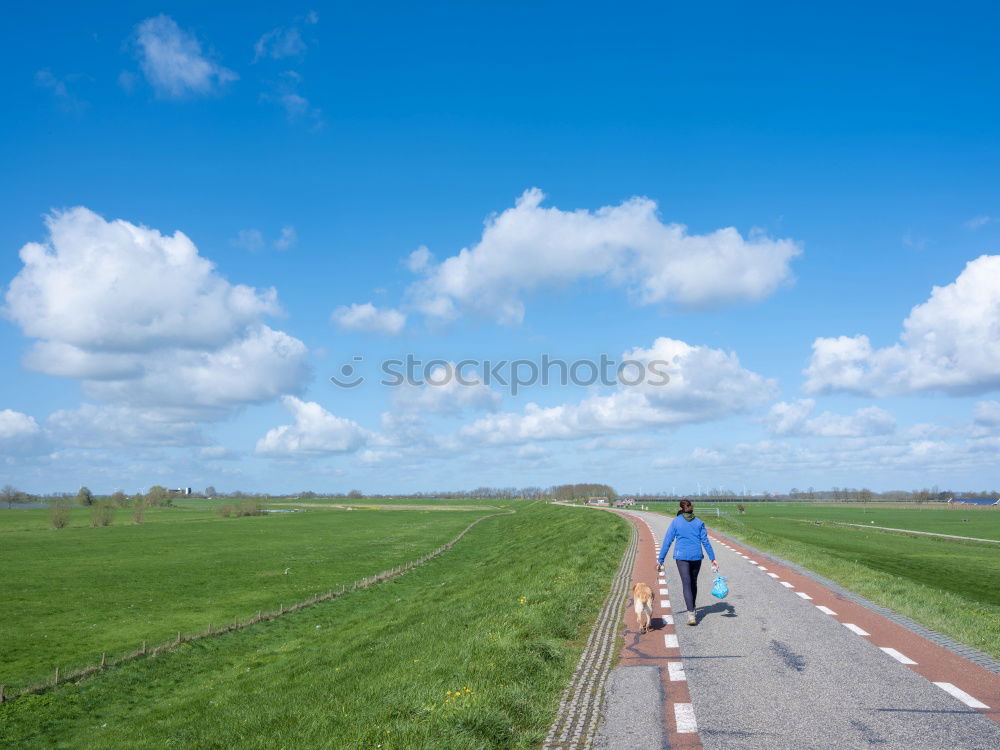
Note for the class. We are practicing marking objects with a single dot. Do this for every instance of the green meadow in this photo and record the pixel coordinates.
(949, 585)
(470, 650)
(73, 593)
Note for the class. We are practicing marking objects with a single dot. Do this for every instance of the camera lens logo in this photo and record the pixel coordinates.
(348, 375)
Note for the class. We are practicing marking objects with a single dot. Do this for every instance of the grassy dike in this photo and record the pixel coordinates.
(946, 585)
(471, 650)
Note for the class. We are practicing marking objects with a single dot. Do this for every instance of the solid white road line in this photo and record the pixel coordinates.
(825, 610)
(902, 659)
(667, 619)
(670, 640)
(804, 596)
(963, 696)
(854, 628)
(773, 575)
(676, 671)
(786, 584)
(684, 715)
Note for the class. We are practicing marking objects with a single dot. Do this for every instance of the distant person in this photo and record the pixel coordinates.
(691, 536)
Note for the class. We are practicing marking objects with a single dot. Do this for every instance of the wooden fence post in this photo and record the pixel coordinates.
(143, 647)
(104, 659)
(56, 680)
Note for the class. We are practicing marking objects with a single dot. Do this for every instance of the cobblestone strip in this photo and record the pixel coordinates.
(576, 719)
(968, 652)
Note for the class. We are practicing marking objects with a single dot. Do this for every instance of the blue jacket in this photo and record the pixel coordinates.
(691, 536)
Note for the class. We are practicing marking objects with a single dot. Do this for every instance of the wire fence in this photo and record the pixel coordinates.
(214, 629)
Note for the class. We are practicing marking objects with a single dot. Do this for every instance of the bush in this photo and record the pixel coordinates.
(58, 514)
(102, 515)
(138, 508)
(119, 498)
(159, 496)
(225, 510)
(250, 508)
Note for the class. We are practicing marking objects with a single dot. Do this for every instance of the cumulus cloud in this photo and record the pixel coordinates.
(529, 247)
(285, 93)
(120, 426)
(978, 222)
(287, 238)
(20, 434)
(316, 432)
(60, 88)
(987, 413)
(444, 394)
(795, 419)
(281, 41)
(369, 318)
(173, 62)
(146, 322)
(949, 343)
(704, 384)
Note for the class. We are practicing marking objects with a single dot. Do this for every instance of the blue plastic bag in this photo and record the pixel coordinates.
(719, 587)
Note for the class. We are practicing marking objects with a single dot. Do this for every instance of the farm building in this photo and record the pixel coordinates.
(598, 501)
(975, 501)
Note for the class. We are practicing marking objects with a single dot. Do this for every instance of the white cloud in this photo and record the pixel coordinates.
(705, 384)
(529, 247)
(987, 413)
(368, 318)
(20, 434)
(285, 93)
(146, 322)
(949, 343)
(248, 239)
(420, 259)
(794, 419)
(978, 222)
(173, 62)
(281, 42)
(315, 432)
(448, 396)
(120, 426)
(65, 98)
(287, 238)
(217, 453)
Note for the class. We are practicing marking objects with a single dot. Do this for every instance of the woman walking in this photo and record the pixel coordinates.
(691, 536)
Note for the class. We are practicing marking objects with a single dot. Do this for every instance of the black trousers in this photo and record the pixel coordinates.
(688, 571)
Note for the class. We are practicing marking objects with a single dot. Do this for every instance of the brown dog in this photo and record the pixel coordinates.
(642, 597)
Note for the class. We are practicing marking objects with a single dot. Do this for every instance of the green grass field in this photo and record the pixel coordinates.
(470, 650)
(71, 594)
(949, 585)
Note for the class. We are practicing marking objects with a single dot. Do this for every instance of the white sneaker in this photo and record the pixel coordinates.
(692, 620)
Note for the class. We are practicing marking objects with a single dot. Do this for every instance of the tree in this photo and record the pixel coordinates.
(119, 498)
(138, 508)
(85, 496)
(9, 495)
(210, 491)
(158, 496)
(355, 494)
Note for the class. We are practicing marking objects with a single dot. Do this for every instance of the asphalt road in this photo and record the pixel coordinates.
(767, 669)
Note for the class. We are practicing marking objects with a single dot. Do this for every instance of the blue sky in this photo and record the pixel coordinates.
(829, 168)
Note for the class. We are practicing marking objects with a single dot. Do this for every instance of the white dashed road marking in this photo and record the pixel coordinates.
(670, 640)
(854, 628)
(663, 592)
(902, 659)
(825, 610)
(684, 715)
(804, 596)
(676, 671)
(786, 584)
(963, 696)
(667, 619)
(773, 575)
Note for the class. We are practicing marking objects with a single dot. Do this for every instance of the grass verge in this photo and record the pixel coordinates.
(946, 585)
(471, 650)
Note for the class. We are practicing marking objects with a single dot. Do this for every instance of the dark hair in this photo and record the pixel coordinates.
(684, 502)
